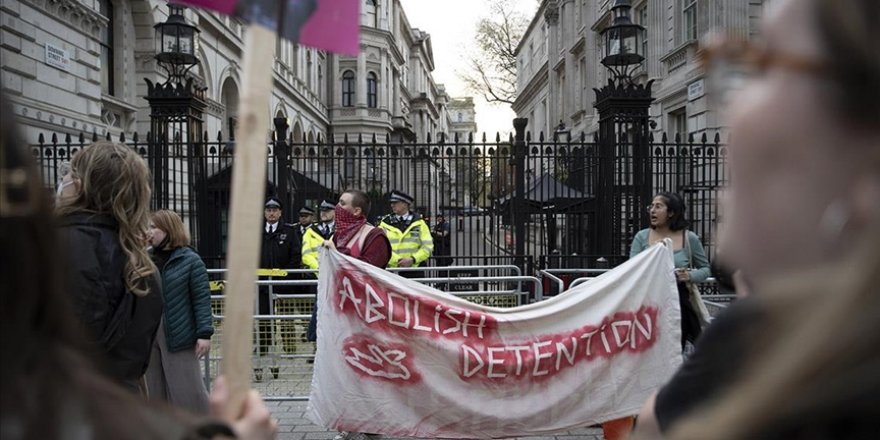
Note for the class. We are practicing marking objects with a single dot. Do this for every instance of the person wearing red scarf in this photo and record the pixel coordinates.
(354, 236)
(357, 238)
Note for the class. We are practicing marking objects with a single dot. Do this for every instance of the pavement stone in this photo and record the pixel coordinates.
(293, 425)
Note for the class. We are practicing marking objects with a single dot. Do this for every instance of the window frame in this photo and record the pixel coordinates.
(689, 28)
(349, 86)
(107, 41)
(372, 90)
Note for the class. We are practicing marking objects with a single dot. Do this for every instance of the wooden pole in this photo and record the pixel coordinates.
(248, 191)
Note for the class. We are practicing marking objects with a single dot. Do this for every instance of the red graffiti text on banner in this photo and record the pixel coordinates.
(383, 308)
(544, 357)
(373, 359)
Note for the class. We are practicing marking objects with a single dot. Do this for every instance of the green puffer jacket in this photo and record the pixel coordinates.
(187, 300)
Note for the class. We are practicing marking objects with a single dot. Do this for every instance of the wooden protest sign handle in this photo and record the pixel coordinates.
(245, 216)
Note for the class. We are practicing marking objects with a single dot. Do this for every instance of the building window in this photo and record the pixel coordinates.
(309, 69)
(371, 9)
(348, 89)
(689, 19)
(642, 13)
(678, 123)
(107, 67)
(460, 117)
(320, 83)
(372, 98)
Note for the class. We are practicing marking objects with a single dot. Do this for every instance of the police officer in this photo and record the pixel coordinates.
(306, 219)
(312, 241)
(409, 234)
(281, 249)
(316, 234)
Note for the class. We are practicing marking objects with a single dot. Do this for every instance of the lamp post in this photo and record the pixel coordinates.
(177, 106)
(175, 44)
(623, 122)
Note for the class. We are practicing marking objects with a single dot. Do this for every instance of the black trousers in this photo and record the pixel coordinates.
(690, 321)
(264, 327)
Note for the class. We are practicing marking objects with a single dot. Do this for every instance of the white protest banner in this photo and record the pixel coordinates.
(399, 358)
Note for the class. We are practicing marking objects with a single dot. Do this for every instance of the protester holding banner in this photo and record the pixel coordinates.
(358, 239)
(354, 236)
(184, 335)
(104, 203)
(50, 387)
(804, 229)
(667, 215)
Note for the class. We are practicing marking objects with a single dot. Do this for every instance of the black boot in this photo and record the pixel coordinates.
(274, 371)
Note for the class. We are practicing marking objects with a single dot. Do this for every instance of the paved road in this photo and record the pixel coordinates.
(293, 425)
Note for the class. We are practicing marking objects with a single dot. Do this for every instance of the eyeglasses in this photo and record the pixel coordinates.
(730, 62)
(649, 208)
(759, 58)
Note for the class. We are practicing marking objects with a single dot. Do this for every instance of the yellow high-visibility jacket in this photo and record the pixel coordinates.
(408, 239)
(312, 240)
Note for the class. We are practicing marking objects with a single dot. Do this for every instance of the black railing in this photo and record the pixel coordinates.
(470, 181)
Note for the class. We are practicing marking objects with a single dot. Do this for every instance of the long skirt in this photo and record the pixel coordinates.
(176, 377)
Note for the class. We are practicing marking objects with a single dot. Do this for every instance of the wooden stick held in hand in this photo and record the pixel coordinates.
(248, 187)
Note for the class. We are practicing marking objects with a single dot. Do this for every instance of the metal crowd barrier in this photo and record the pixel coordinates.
(715, 302)
(551, 275)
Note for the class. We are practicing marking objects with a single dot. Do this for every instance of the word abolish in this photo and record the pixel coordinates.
(546, 356)
(389, 310)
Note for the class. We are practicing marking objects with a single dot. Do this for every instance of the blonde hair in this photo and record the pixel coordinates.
(115, 180)
(171, 223)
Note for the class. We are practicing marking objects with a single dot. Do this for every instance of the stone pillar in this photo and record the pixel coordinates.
(551, 16)
(361, 78)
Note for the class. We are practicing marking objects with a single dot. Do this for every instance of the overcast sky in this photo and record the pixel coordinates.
(451, 24)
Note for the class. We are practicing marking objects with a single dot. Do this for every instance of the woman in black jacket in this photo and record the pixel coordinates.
(185, 332)
(103, 202)
(48, 388)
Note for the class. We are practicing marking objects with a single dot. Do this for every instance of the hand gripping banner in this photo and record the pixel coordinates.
(399, 358)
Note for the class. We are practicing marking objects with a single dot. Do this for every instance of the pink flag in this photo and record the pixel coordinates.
(334, 27)
(331, 25)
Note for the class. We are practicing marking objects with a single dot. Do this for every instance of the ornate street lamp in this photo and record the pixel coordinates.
(176, 150)
(175, 44)
(623, 39)
(624, 153)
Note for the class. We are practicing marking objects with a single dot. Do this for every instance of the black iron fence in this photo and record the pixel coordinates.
(470, 181)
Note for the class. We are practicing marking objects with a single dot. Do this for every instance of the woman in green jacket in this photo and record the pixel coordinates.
(667, 211)
(184, 335)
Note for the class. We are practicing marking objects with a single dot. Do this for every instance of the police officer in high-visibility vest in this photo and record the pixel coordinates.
(317, 233)
(409, 234)
(312, 241)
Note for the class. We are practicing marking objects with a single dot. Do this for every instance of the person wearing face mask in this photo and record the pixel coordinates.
(355, 237)
(358, 239)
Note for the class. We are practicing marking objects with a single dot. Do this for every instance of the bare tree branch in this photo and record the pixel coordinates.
(492, 70)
